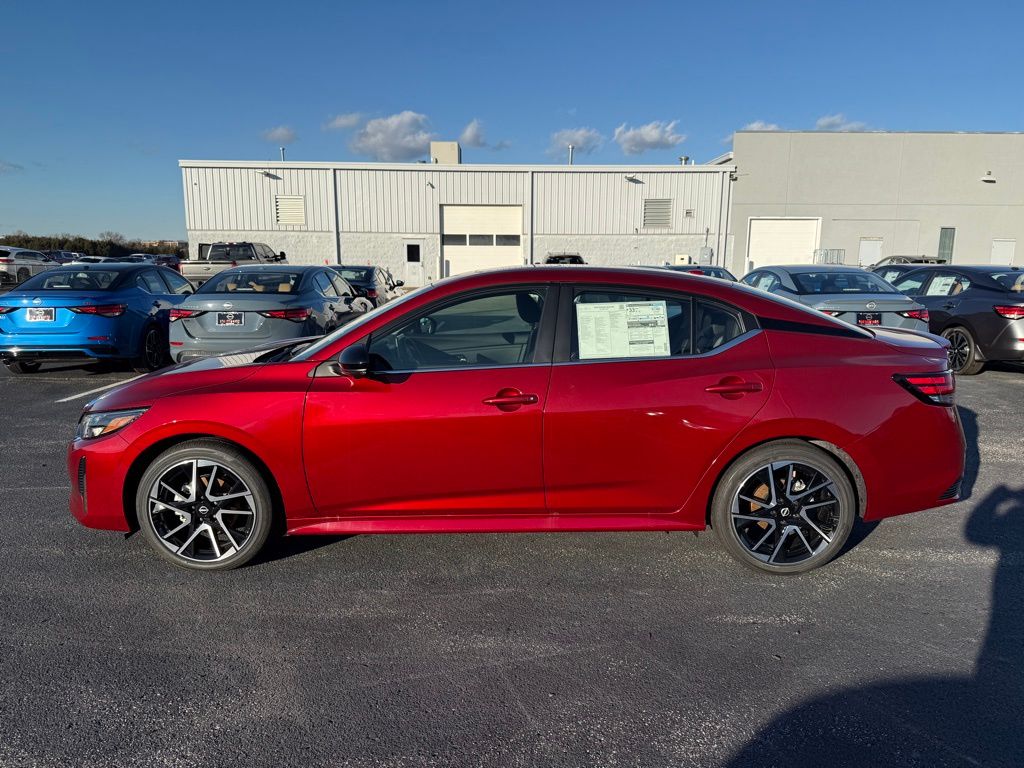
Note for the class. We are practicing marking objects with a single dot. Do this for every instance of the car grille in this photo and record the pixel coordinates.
(953, 491)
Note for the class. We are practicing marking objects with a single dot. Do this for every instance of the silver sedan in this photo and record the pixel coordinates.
(849, 293)
(243, 307)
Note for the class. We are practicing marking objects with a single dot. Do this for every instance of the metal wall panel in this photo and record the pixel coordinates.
(409, 201)
(243, 198)
(611, 202)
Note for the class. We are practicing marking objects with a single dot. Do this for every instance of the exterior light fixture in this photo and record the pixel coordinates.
(988, 178)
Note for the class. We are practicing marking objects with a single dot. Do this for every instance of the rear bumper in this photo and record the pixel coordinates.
(1008, 345)
(914, 461)
(186, 347)
(44, 353)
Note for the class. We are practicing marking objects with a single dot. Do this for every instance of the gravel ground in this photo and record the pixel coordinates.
(623, 649)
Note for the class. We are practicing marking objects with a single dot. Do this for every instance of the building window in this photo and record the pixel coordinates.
(506, 239)
(412, 253)
(946, 237)
(657, 214)
(290, 209)
(453, 239)
(481, 239)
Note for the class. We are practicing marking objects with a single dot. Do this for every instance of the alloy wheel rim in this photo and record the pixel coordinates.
(959, 350)
(201, 511)
(786, 513)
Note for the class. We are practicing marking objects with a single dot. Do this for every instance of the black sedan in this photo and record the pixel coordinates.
(703, 269)
(375, 283)
(980, 309)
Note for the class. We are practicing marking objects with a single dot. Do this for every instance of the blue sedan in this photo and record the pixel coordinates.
(91, 312)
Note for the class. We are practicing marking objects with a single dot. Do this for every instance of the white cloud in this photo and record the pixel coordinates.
(282, 134)
(343, 121)
(473, 134)
(838, 122)
(654, 135)
(395, 138)
(501, 144)
(6, 167)
(583, 140)
(761, 125)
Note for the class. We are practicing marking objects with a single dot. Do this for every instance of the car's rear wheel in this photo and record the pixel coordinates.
(785, 507)
(963, 352)
(23, 366)
(153, 353)
(203, 505)
(23, 275)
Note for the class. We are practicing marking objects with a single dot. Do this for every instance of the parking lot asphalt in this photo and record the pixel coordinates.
(611, 649)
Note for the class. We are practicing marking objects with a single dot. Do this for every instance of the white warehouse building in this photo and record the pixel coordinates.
(424, 221)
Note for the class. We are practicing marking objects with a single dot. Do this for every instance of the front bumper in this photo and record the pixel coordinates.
(97, 469)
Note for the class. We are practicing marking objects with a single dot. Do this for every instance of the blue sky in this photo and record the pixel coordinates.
(101, 99)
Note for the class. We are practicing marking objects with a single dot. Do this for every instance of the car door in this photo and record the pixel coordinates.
(938, 291)
(328, 300)
(647, 389)
(448, 421)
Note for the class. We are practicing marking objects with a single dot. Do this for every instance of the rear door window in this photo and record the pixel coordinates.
(176, 283)
(324, 285)
(947, 284)
(609, 325)
(150, 281)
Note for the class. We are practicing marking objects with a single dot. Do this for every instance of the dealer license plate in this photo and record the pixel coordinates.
(231, 318)
(869, 318)
(39, 314)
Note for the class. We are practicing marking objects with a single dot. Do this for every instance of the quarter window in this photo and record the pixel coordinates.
(150, 281)
(498, 329)
(178, 284)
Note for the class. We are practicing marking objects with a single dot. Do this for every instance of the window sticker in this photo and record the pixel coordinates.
(941, 285)
(622, 329)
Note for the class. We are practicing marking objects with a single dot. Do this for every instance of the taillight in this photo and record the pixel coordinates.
(832, 312)
(297, 314)
(932, 388)
(6, 261)
(371, 293)
(6, 310)
(915, 314)
(1011, 312)
(234, 263)
(184, 314)
(103, 310)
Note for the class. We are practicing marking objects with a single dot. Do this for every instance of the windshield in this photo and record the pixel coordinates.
(252, 281)
(840, 282)
(72, 280)
(356, 274)
(1011, 281)
(231, 253)
(310, 351)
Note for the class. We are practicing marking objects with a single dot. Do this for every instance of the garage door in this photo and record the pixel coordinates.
(782, 241)
(481, 237)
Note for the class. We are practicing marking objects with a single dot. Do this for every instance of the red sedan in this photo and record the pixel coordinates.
(554, 399)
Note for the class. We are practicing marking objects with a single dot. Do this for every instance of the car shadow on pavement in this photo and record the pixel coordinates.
(972, 459)
(284, 547)
(974, 720)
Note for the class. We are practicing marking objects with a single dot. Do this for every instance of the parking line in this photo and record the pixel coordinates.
(98, 389)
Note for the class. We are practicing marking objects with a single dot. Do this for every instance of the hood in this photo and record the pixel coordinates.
(192, 375)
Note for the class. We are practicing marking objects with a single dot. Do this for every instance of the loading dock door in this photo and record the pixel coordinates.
(782, 241)
(481, 237)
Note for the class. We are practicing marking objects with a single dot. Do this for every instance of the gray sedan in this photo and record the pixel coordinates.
(849, 293)
(247, 306)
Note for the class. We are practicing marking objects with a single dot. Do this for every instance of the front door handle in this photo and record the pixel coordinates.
(733, 387)
(510, 399)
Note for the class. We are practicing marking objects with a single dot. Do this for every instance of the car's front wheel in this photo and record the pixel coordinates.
(203, 505)
(785, 507)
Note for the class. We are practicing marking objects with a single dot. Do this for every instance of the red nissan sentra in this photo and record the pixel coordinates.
(535, 399)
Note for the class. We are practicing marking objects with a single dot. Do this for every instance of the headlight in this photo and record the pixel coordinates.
(105, 422)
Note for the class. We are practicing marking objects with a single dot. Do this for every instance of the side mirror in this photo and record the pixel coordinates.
(354, 361)
(399, 283)
(281, 256)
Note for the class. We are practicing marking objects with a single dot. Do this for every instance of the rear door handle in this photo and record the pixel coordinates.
(950, 305)
(735, 386)
(510, 399)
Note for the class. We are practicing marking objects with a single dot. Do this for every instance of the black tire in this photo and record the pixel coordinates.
(23, 366)
(963, 351)
(156, 527)
(154, 353)
(23, 275)
(804, 528)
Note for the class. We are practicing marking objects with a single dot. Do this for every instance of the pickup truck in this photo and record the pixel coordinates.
(216, 257)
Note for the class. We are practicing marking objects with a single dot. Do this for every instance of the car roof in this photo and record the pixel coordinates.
(105, 266)
(800, 269)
